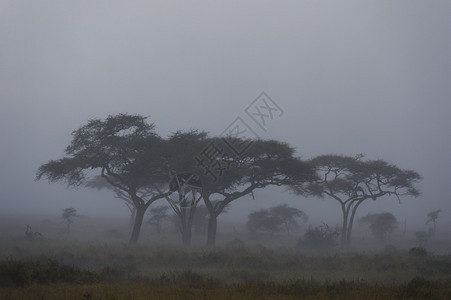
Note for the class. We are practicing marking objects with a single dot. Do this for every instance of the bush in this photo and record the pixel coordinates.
(418, 251)
(321, 237)
(21, 273)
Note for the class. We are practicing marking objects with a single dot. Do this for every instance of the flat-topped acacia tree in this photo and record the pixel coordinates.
(224, 176)
(185, 183)
(351, 181)
(124, 150)
(264, 163)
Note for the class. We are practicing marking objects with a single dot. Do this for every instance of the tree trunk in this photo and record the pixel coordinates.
(138, 223)
(132, 218)
(212, 227)
(351, 222)
(186, 226)
(344, 228)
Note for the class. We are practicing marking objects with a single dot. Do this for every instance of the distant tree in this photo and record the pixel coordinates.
(263, 220)
(289, 216)
(351, 181)
(422, 237)
(33, 235)
(277, 218)
(320, 237)
(126, 152)
(432, 218)
(158, 215)
(223, 176)
(68, 215)
(381, 225)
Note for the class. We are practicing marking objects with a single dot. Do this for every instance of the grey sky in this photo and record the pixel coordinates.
(370, 77)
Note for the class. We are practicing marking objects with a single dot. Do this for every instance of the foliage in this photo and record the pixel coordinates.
(264, 163)
(21, 273)
(175, 288)
(263, 220)
(350, 181)
(381, 225)
(125, 150)
(320, 237)
(68, 216)
(223, 273)
(117, 145)
(158, 215)
(418, 251)
(277, 218)
(289, 216)
(432, 218)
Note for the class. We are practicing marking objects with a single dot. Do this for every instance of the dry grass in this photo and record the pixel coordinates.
(267, 267)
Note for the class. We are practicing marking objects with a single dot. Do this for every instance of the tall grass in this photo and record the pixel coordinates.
(31, 270)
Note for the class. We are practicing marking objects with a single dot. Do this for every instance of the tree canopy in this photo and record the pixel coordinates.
(124, 149)
(351, 180)
(381, 225)
(264, 163)
(277, 218)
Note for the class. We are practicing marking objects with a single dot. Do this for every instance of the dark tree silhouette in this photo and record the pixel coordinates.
(289, 216)
(381, 225)
(264, 163)
(223, 176)
(277, 218)
(321, 237)
(350, 181)
(158, 215)
(124, 149)
(263, 220)
(432, 218)
(185, 185)
(68, 215)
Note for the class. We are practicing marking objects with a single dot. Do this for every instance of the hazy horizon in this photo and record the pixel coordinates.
(350, 77)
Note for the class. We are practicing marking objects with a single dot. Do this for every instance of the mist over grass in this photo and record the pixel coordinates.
(95, 261)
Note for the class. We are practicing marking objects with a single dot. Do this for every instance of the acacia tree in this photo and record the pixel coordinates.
(350, 181)
(275, 219)
(158, 215)
(289, 216)
(381, 225)
(263, 220)
(185, 185)
(68, 216)
(264, 163)
(99, 183)
(124, 149)
(432, 218)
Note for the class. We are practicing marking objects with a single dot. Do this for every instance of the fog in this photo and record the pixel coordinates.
(350, 77)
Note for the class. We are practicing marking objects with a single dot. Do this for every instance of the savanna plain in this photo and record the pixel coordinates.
(94, 261)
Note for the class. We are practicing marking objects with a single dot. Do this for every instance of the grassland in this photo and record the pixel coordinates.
(49, 270)
(85, 266)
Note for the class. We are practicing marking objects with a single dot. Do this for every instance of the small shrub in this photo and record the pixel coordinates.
(418, 251)
(21, 273)
(186, 278)
(321, 237)
(417, 287)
